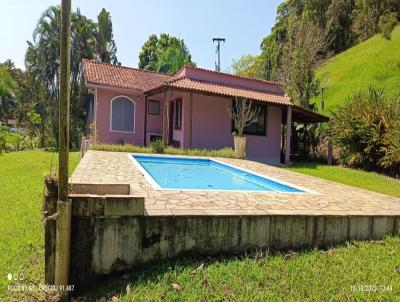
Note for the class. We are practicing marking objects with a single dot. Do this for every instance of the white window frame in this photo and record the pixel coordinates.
(134, 113)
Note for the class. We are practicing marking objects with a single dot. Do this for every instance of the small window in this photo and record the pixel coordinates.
(259, 127)
(154, 107)
(122, 115)
(178, 114)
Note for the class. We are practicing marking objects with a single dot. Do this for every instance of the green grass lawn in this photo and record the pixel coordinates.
(21, 227)
(313, 275)
(357, 178)
(375, 62)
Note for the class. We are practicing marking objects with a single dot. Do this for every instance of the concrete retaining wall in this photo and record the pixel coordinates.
(102, 243)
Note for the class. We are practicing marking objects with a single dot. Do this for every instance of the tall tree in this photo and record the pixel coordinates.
(106, 48)
(301, 55)
(7, 92)
(250, 66)
(164, 54)
(89, 40)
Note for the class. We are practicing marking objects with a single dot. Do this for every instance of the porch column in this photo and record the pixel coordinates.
(190, 119)
(165, 118)
(145, 122)
(288, 134)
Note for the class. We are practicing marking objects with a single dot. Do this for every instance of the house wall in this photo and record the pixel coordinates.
(212, 128)
(103, 110)
(211, 124)
(154, 122)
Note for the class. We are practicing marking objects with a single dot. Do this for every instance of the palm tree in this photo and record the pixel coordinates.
(7, 89)
(106, 48)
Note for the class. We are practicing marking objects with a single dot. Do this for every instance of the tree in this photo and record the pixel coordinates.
(243, 114)
(106, 48)
(300, 57)
(250, 66)
(387, 23)
(164, 54)
(339, 25)
(89, 40)
(7, 92)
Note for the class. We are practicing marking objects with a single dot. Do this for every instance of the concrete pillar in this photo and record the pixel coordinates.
(288, 134)
(165, 118)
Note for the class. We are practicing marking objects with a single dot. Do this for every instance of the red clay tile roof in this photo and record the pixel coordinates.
(226, 90)
(98, 73)
(230, 75)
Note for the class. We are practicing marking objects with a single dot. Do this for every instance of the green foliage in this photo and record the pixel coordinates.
(164, 54)
(344, 23)
(366, 130)
(106, 48)
(7, 93)
(387, 23)
(90, 40)
(374, 62)
(3, 138)
(300, 57)
(249, 66)
(225, 152)
(157, 146)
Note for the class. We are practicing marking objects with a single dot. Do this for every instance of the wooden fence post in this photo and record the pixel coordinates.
(63, 228)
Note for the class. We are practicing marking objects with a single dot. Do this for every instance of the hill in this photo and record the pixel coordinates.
(374, 62)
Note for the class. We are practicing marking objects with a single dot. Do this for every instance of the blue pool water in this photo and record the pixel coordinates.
(204, 174)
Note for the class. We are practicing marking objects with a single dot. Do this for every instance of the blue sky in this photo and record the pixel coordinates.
(242, 23)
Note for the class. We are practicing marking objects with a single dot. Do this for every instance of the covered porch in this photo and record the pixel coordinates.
(197, 118)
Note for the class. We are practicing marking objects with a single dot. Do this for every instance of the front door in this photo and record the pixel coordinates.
(171, 123)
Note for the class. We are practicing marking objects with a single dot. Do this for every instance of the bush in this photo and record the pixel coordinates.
(366, 130)
(225, 152)
(157, 146)
(387, 23)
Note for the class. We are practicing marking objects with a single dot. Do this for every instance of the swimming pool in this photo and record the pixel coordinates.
(203, 174)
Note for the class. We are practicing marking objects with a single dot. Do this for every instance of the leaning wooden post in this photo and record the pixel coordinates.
(288, 134)
(63, 204)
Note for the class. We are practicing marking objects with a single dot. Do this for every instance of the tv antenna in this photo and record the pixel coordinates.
(218, 50)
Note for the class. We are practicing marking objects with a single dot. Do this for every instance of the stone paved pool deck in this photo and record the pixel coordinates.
(326, 199)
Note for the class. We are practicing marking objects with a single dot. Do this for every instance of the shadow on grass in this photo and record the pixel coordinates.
(116, 284)
(306, 165)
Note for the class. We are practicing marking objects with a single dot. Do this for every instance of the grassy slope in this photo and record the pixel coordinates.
(375, 62)
(310, 275)
(357, 178)
(21, 228)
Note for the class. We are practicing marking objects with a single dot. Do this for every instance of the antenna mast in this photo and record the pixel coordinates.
(218, 50)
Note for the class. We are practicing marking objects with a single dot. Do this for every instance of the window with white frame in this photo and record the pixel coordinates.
(122, 114)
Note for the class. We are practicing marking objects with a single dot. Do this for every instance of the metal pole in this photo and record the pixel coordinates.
(219, 58)
(63, 231)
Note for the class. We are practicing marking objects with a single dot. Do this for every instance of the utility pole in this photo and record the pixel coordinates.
(218, 50)
(63, 204)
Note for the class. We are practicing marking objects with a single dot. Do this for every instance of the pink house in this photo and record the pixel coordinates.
(188, 109)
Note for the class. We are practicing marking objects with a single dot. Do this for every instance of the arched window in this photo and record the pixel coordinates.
(122, 114)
